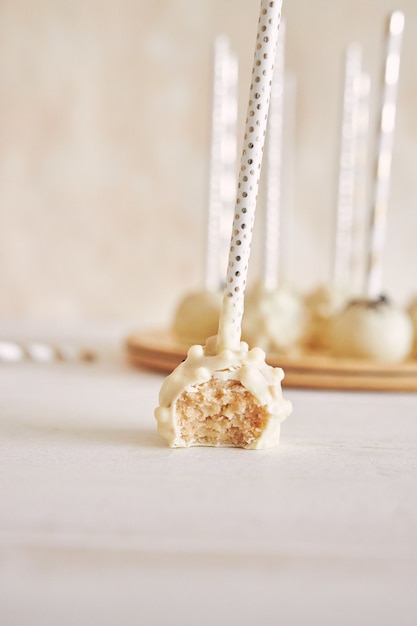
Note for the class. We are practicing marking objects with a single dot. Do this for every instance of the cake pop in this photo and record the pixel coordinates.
(226, 398)
(274, 319)
(225, 394)
(321, 305)
(372, 329)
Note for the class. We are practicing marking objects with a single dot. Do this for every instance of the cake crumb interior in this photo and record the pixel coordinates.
(219, 412)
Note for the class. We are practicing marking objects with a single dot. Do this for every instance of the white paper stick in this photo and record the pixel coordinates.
(286, 239)
(229, 333)
(273, 169)
(361, 177)
(384, 154)
(222, 175)
(229, 162)
(347, 167)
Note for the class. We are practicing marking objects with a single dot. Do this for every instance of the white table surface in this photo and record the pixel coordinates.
(101, 523)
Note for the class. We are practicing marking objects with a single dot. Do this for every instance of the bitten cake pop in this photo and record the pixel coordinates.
(197, 314)
(225, 394)
(222, 398)
(373, 327)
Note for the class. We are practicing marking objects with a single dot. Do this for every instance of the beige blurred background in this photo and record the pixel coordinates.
(104, 126)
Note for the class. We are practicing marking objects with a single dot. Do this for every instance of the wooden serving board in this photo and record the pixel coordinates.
(158, 350)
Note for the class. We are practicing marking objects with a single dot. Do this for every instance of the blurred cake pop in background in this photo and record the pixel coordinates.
(376, 330)
(274, 319)
(374, 327)
(335, 318)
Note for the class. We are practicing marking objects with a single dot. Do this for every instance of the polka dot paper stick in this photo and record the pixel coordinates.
(229, 333)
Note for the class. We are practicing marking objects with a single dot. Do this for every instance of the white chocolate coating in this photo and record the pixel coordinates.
(372, 330)
(274, 320)
(320, 306)
(197, 317)
(248, 367)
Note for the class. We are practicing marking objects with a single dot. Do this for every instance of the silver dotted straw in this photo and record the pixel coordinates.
(384, 153)
(273, 164)
(222, 175)
(347, 166)
(248, 184)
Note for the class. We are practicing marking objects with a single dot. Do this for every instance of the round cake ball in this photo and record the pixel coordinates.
(372, 329)
(197, 317)
(274, 319)
(320, 306)
(230, 398)
(412, 311)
